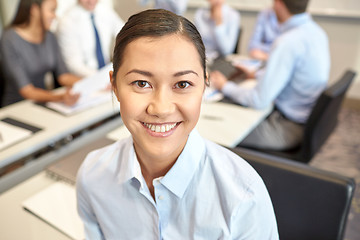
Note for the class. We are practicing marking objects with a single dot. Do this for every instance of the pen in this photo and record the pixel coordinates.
(209, 117)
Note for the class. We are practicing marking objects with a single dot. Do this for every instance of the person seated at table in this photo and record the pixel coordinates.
(175, 6)
(165, 181)
(86, 34)
(219, 26)
(29, 52)
(265, 32)
(296, 73)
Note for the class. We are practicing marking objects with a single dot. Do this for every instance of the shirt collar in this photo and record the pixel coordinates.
(180, 175)
(294, 21)
(127, 169)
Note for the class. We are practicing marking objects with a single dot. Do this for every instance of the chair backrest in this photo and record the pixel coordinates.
(2, 83)
(324, 117)
(309, 203)
(238, 42)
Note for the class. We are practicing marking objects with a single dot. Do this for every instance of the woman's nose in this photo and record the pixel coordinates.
(161, 104)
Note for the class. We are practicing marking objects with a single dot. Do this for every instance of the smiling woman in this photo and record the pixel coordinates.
(158, 86)
(166, 181)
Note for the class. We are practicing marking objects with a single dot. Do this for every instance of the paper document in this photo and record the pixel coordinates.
(119, 133)
(56, 205)
(212, 95)
(250, 64)
(93, 91)
(11, 134)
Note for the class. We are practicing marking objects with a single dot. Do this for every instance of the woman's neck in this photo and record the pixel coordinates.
(31, 33)
(152, 169)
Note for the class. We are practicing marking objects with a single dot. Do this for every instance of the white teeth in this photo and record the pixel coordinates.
(160, 128)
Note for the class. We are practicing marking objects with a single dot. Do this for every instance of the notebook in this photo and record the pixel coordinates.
(66, 168)
(56, 205)
(13, 131)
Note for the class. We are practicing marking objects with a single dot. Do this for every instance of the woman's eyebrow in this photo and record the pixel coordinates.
(145, 73)
(178, 74)
(149, 74)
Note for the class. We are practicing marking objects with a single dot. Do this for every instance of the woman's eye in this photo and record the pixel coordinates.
(142, 84)
(182, 84)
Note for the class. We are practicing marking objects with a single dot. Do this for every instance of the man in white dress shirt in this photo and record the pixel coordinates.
(77, 36)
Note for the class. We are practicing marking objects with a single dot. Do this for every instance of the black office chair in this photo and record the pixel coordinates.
(2, 84)
(309, 203)
(238, 42)
(321, 122)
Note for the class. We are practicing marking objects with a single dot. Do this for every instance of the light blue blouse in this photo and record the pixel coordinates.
(218, 39)
(296, 72)
(265, 32)
(209, 193)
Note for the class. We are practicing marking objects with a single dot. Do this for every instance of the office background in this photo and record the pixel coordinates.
(340, 20)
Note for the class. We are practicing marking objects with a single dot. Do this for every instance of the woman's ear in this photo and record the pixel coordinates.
(34, 10)
(113, 84)
(207, 80)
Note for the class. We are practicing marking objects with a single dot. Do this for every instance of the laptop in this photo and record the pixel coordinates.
(227, 68)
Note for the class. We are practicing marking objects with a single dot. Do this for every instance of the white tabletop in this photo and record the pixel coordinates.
(55, 126)
(228, 124)
(16, 223)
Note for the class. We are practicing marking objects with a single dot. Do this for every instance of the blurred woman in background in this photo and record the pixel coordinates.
(29, 51)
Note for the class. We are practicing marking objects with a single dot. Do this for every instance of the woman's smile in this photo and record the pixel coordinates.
(160, 129)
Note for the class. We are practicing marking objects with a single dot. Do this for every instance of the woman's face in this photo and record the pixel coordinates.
(48, 8)
(160, 86)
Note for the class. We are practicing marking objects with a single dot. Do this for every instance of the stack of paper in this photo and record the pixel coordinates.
(11, 134)
(93, 91)
(248, 63)
(56, 205)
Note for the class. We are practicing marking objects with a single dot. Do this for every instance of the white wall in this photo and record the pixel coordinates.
(8, 8)
(317, 7)
(127, 8)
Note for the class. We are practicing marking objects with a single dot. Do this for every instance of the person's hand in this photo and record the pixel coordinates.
(217, 80)
(69, 98)
(259, 54)
(246, 72)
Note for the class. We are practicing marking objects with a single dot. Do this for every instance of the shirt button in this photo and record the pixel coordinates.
(161, 197)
